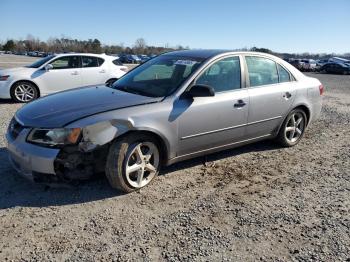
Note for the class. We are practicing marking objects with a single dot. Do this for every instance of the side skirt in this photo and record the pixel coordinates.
(218, 148)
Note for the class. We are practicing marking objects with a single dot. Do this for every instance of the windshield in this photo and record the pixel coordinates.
(158, 77)
(40, 62)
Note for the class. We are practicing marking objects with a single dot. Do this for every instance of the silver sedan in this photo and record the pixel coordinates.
(176, 106)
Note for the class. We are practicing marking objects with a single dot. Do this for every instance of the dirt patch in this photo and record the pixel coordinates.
(256, 202)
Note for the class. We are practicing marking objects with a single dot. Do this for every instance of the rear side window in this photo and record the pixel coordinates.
(100, 61)
(89, 61)
(283, 74)
(117, 62)
(66, 62)
(262, 71)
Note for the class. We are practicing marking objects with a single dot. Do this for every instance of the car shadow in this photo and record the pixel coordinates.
(7, 101)
(266, 145)
(16, 191)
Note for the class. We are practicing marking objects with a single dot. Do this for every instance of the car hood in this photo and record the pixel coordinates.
(62, 108)
(11, 71)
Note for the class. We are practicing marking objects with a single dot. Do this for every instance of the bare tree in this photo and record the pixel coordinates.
(140, 45)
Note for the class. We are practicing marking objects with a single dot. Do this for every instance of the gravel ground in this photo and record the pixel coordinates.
(258, 202)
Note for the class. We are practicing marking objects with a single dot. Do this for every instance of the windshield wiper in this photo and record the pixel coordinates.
(129, 89)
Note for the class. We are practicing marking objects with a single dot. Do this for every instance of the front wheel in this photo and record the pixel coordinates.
(293, 128)
(24, 92)
(133, 162)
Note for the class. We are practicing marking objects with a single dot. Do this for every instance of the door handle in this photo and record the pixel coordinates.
(240, 103)
(102, 71)
(75, 73)
(287, 95)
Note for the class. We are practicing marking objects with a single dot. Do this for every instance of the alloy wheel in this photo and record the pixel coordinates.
(24, 93)
(295, 127)
(142, 163)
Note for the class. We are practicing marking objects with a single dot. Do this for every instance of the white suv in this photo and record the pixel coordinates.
(57, 73)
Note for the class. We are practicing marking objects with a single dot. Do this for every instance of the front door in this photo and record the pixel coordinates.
(65, 74)
(209, 122)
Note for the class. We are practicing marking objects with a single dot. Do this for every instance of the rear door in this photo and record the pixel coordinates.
(64, 75)
(208, 122)
(271, 93)
(94, 70)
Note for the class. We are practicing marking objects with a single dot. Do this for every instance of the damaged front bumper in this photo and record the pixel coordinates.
(29, 159)
(53, 165)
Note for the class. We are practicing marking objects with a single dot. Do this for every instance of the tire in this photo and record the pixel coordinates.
(110, 81)
(133, 162)
(24, 92)
(293, 128)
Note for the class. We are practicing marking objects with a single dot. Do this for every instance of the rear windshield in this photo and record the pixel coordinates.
(117, 62)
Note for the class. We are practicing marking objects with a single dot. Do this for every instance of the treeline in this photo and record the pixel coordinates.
(305, 55)
(63, 44)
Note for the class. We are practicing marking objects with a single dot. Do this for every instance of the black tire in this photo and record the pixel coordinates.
(31, 89)
(286, 138)
(117, 160)
(111, 81)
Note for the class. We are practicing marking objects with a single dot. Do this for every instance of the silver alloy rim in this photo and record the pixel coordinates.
(295, 127)
(142, 164)
(24, 93)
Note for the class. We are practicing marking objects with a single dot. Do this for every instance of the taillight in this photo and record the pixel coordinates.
(321, 87)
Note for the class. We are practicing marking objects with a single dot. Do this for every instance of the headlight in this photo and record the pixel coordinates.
(54, 137)
(4, 78)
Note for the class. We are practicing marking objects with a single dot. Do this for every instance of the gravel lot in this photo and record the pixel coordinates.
(258, 202)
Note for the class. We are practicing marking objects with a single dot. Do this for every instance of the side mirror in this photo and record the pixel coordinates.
(200, 91)
(48, 67)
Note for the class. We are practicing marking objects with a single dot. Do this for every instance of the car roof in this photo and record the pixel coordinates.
(85, 54)
(198, 53)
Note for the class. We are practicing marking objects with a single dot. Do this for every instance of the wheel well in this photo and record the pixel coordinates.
(306, 111)
(28, 81)
(114, 79)
(111, 79)
(162, 146)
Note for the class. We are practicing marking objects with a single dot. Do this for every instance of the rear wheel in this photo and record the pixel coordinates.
(133, 162)
(24, 92)
(293, 128)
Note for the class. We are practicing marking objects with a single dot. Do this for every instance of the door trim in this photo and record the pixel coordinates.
(215, 149)
(228, 128)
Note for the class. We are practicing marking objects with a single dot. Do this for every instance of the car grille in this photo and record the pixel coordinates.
(15, 128)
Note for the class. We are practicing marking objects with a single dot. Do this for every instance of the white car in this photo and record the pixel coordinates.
(58, 73)
(309, 64)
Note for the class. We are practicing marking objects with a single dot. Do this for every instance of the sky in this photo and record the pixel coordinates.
(295, 26)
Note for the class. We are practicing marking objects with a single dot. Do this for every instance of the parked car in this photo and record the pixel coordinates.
(335, 68)
(297, 63)
(58, 73)
(309, 65)
(144, 58)
(129, 59)
(179, 105)
(320, 63)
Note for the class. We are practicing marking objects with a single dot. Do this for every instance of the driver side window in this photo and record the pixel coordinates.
(223, 75)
